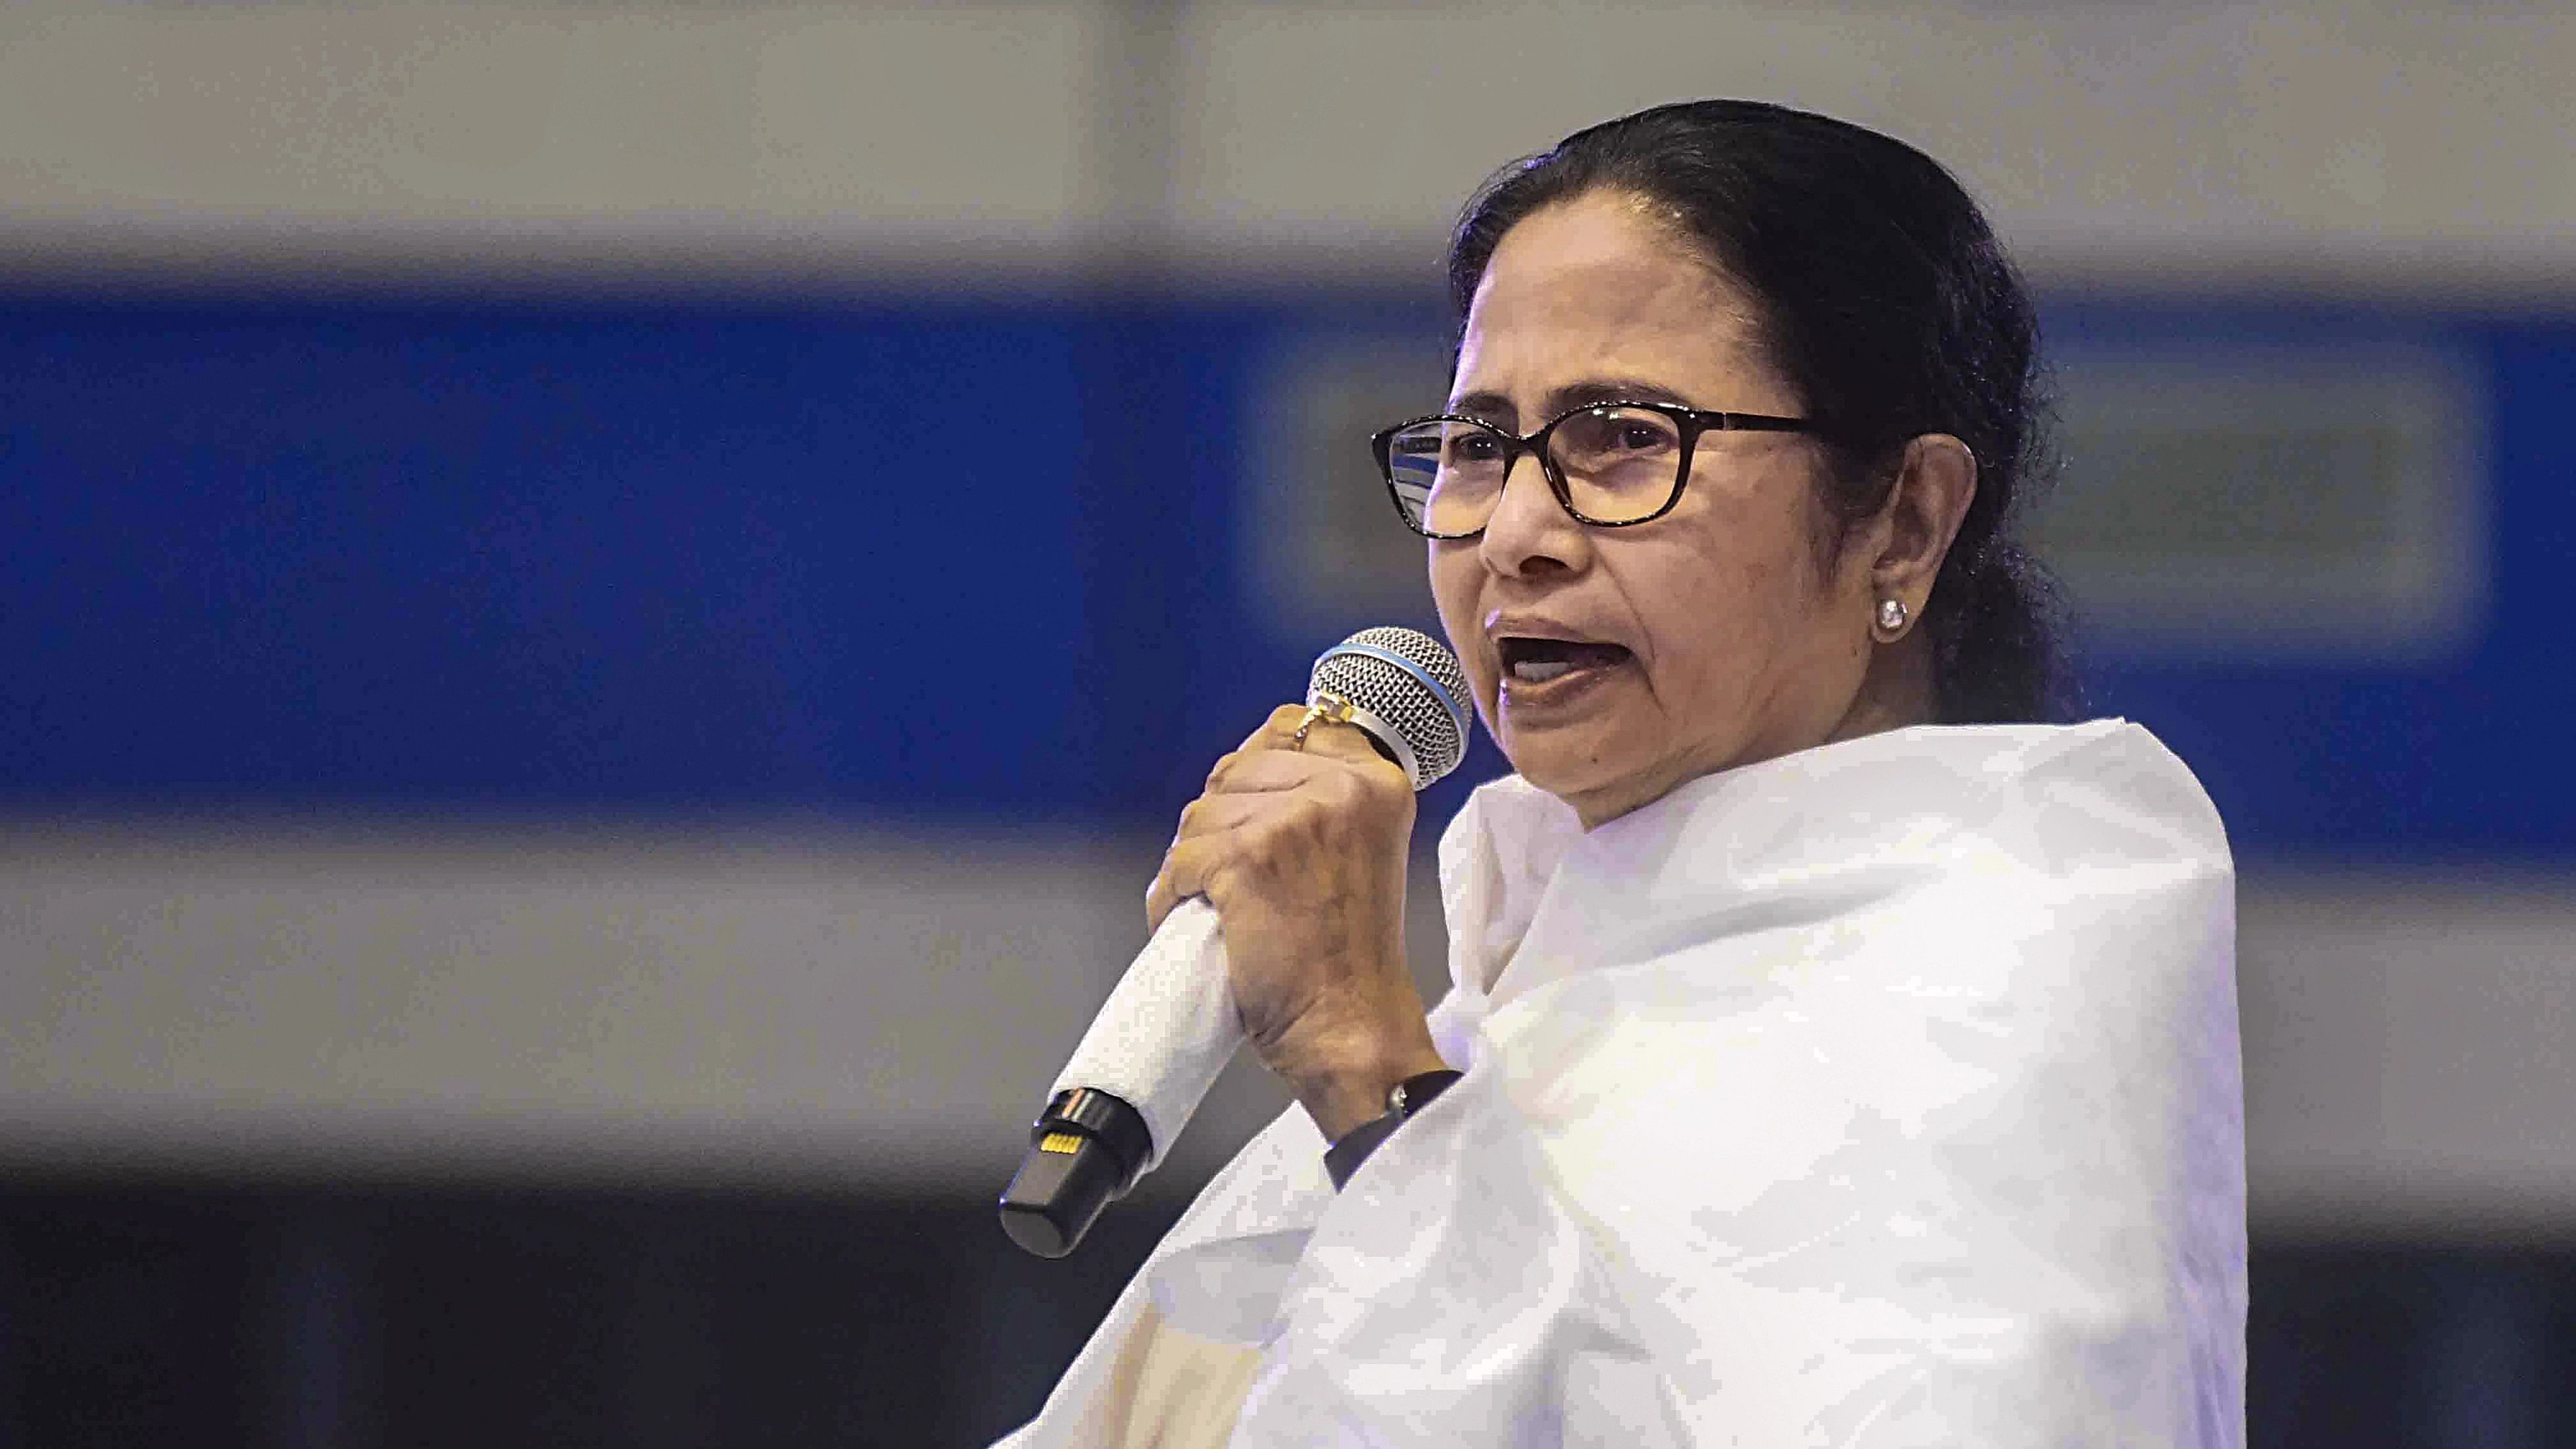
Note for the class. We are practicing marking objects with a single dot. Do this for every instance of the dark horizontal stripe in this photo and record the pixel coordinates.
(465, 1312)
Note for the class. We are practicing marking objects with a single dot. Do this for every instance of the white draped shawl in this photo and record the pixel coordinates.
(1882, 1094)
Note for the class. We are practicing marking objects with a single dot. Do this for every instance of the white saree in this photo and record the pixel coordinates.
(1881, 1094)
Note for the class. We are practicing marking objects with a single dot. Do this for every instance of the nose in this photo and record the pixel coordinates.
(1530, 532)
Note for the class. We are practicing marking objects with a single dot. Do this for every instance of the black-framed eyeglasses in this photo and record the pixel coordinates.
(1610, 465)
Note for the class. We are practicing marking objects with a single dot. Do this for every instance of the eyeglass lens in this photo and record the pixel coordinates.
(1619, 465)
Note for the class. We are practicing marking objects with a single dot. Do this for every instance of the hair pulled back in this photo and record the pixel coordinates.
(1884, 300)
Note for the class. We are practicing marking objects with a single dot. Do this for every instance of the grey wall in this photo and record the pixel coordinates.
(798, 1004)
(2364, 145)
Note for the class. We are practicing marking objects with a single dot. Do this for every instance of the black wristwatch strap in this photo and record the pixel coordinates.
(1402, 1100)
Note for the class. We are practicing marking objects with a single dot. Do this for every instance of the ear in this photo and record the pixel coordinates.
(1934, 485)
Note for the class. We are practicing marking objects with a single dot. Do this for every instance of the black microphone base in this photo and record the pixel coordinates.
(1086, 1149)
(1055, 1197)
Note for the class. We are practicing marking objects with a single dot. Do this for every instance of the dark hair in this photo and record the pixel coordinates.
(1886, 302)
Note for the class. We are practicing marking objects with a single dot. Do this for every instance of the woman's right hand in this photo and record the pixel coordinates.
(1302, 852)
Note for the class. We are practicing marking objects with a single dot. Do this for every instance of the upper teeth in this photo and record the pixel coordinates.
(1538, 670)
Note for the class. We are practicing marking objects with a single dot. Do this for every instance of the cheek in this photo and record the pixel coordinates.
(1723, 615)
(1455, 573)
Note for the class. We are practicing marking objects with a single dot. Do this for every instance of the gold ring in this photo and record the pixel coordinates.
(1324, 707)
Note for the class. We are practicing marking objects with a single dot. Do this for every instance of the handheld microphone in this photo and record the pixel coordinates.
(1170, 1025)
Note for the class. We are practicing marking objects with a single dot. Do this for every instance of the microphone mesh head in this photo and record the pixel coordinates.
(1404, 677)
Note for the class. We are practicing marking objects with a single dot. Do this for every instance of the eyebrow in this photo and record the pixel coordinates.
(1493, 407)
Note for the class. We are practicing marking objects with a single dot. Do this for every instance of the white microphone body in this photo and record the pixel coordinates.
(1167, 1030)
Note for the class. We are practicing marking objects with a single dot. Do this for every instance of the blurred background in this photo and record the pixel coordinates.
(604, 610)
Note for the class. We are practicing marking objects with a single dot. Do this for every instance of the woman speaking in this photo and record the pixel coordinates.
(1835, 1053)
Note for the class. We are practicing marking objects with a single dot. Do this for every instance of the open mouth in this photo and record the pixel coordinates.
(1538, 661)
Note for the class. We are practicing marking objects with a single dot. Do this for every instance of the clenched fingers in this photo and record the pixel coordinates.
(1186, 868)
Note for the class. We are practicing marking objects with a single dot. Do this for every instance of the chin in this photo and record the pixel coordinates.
(1601, 781)
(1564, 768)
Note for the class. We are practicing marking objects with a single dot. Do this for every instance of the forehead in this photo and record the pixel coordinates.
(1596, 288)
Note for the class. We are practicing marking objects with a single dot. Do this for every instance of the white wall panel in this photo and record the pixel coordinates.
(780, 1005)
(585, 1001)
(2366, 144)
(2411, 1052)
(2190, 139)
(452, 134)
(772, 1004)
